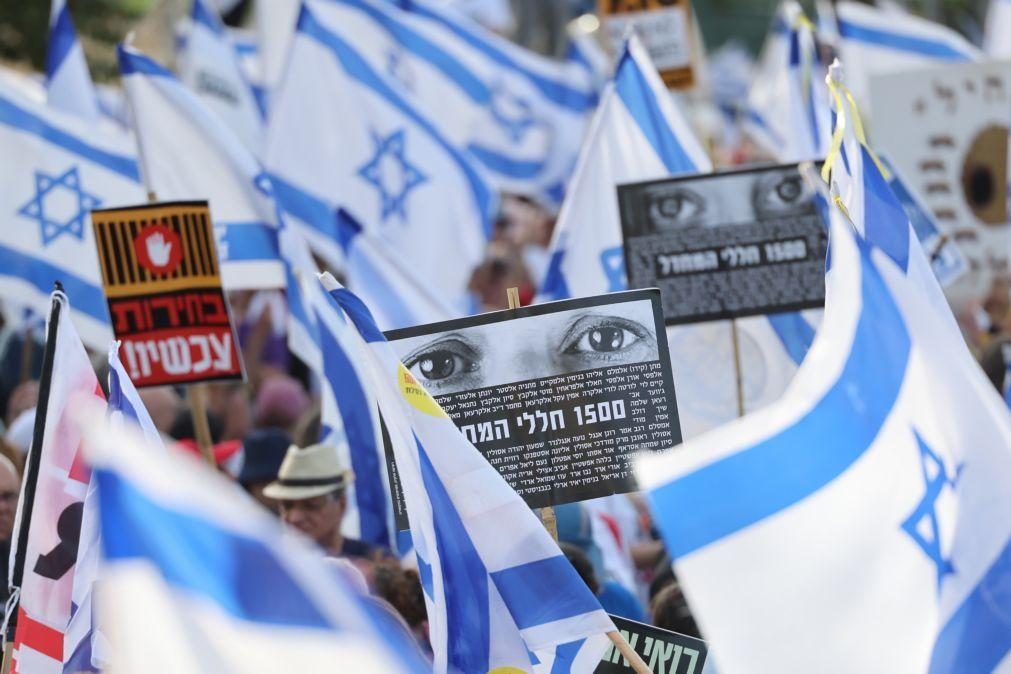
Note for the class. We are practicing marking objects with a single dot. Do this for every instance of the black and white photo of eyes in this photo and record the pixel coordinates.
(532, 347)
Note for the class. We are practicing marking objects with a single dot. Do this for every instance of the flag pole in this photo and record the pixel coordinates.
(27, 501)
(547, 512)
(633, 658)
(738, 375)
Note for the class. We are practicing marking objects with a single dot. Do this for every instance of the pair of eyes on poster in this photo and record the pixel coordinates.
(532, 347)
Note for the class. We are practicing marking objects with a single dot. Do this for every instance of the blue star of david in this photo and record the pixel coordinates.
(399, 177)
(512, 113)
(935, 478)
(45, 187)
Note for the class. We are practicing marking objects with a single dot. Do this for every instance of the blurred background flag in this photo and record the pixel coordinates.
(997, 29)
(188, 153)
(186, 558)
(495, 602)
(385, 162)
(886, 549)
(209, 65)
(57, 169)
(68, 81)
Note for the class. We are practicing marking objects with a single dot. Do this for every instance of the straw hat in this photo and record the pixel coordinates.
(307, 472)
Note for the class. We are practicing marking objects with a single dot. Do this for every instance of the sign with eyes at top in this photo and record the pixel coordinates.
(558, 396)
(726, 245)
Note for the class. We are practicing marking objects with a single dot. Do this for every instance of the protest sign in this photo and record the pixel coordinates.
(559, 396)
(725, 245)
(945, 130)
(665, 28)
(663, 651)
(163, 284)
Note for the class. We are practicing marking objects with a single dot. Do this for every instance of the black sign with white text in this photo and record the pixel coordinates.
(725, 245)
(664, 652)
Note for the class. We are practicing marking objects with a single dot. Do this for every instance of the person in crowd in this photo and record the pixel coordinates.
(24, 397)
(402, 589)
(10, 488)
(311, 490)
(280, 403)
(669, 611)
(164, 406)
(230, 402)
(263, 451)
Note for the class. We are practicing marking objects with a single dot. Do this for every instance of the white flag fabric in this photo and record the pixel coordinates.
(56, 169)
(996, 43)
(521, 119)
(385, 163)
(874, 40)
(48, 518)
(188, 153)
(209, 65)
(498, 599)
(868, 513)
(68, 81)
(198, 578)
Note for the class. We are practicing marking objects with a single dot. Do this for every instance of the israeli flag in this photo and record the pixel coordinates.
(868, 513)
(189, 153)
(56, 169)
(874, 41)
(209, 65)
(68, 81)
(522, 122)
(198, 578)
(498, 599)
(384, 162)
(638, 133)
(788, 111)
(998, 26)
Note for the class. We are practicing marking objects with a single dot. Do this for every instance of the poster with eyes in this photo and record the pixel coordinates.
(558, 396)
(725, 245)
(946, 131)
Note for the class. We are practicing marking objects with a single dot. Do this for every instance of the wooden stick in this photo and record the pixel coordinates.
(638, 665)
(550, 521)
(738, 375)
(196, 396)
(8, 651)
(513, 297)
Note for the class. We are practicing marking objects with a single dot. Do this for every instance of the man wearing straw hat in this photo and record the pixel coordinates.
(310, 488)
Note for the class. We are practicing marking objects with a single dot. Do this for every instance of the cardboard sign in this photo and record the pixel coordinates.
(163, 284)
(665, 28)
(664, 652)
(725, 245)
(559, 396)
(946, 131)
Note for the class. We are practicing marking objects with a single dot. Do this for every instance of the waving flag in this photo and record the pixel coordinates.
(48, 520)
(870, 506)
(522, 122)
(56, 169)
(384, 162)
(209, 65)
(189, 153)
(187, 558)
(67, 78)
(497, 600)
(874, 40)
(638, 133)
(997, 28)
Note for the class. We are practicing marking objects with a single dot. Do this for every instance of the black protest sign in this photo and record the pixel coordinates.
(726, 245)
(559, 396)
(663, 652)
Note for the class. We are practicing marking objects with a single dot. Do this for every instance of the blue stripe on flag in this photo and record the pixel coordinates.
(525, 587)
(359, 314)
(900, 42)
(886, 224)
(783, 469)
(17, 117)
(197, 557)
(356, 414)
(465, 578)
(250, 241)
(978, 635)
(794, 332)
(85, 297)
(565, 655)
(298, 203)
(62, 37)
(118, 401)
(555, 91)
(357, 68)
(134, 63)
(636, 94)
(503, 165)
(202, 15)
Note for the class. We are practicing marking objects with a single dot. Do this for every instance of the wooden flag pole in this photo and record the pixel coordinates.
(738, 375)
(637, 663)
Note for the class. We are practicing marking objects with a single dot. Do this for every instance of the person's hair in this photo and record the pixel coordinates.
(15, 457)
(402, 589)
(183, 429)
(670, 611)
(582, 564)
